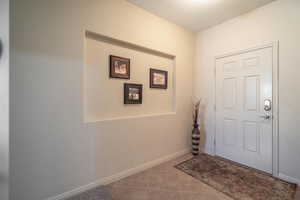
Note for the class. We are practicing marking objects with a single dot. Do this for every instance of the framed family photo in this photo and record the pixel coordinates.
(133, 93)
(119, 67)
(158, 79)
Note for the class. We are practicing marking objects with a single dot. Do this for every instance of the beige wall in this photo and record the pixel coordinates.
(4, 77)
(278, 21)
(104, 96)
(52, 149)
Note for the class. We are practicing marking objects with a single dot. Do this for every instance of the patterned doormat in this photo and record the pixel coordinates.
(237, 181)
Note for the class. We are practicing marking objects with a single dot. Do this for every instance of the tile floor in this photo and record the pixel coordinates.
(163, 182)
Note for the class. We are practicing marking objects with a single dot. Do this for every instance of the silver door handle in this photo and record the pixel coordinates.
(266, 116)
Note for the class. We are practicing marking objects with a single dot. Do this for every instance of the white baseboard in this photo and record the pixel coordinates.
(118, 176)
(288, 178)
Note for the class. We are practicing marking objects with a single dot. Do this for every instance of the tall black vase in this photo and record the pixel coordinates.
(195, 140)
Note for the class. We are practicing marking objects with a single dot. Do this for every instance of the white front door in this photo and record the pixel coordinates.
(243, 120)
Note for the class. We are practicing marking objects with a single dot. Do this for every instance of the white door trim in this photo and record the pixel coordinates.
(275, 76)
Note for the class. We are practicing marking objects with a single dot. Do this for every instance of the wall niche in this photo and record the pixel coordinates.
(104, 96)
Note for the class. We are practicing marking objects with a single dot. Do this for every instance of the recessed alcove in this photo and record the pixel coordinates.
(103, 96)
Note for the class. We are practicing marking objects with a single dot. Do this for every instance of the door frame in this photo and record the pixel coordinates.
(275, 100)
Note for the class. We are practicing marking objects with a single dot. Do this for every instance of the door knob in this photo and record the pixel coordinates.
(266, 116)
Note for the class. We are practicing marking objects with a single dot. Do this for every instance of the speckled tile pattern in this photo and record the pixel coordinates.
(163, 182)
(100, 193)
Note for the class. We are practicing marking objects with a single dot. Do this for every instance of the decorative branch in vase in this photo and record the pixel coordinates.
(196, 131)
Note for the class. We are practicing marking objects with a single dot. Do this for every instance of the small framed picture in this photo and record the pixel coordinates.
(158, 79)
(133, 93)
(119, 67)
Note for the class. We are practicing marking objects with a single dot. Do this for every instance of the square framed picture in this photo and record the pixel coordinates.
(119, 67)
(158, 79)
(133, 93)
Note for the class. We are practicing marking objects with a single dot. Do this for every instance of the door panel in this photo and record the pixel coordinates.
(229, 92)
(251, 136)
(243, 82)
(252, 86)
(230, 130)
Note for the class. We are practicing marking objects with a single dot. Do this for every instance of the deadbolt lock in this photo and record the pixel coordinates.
(267, 105)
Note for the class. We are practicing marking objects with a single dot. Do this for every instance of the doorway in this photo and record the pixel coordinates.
(246, 107)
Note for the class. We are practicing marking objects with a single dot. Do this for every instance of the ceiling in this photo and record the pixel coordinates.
(197, 15)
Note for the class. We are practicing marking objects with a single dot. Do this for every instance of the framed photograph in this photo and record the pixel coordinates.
(133, 93)
(119, 67)
(158, 79)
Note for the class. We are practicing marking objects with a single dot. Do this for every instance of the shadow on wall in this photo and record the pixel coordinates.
(3, 175)
(1, 47)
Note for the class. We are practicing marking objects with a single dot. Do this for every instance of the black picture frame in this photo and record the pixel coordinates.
(133, 93)
(153, 76)
(116, 61)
